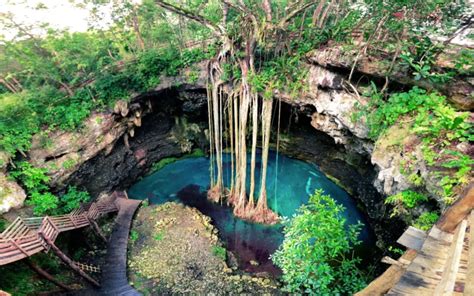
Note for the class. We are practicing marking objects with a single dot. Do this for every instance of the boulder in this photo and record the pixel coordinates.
(12, 195)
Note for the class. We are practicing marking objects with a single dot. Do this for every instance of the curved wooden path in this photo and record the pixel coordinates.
(114, 273)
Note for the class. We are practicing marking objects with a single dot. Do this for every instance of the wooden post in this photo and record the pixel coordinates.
(458, 211)
(97, 230)
(68, 261)
(46, 275)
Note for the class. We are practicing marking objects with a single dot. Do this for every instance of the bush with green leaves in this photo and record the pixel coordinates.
(426, 220)
(73, 199)
(405, 200)
(43, 203)
(219, 252)
(33, 178)
(439, 126)
(316, 255)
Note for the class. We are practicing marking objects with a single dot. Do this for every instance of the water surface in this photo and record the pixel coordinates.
(289, 184)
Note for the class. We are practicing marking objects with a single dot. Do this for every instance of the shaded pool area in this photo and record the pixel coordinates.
(289, 184)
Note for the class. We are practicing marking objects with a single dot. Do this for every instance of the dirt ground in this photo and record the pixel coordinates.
(174, 249)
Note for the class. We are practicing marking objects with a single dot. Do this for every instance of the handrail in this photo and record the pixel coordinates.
(22, 238)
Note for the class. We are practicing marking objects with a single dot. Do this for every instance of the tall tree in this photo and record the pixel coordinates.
(247, 31)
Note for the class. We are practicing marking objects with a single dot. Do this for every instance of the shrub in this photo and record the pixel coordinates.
(33, 178)
(426, 220)
(134, 236)
(43, 203)
(316, 255)
(3, 224)
(219, 252)
(73, 199)
(404, 200)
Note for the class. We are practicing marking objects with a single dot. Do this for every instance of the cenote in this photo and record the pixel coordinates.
(289, 184)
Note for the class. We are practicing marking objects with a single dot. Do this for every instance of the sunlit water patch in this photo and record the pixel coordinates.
(289, 184)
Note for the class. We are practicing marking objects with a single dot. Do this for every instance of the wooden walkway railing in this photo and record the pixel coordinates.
(28, 236)
(444, 264)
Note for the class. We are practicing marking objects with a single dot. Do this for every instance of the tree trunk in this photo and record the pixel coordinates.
(68, 261)
(46, 275)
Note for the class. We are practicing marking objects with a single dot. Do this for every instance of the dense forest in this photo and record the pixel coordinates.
(406, 64)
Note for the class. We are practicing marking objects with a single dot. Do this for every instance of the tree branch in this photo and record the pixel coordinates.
(242, 8)
(190, 15)
(294, 13)
(267, 7)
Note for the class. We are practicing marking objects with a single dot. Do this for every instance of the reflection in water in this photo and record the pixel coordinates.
(187, 181)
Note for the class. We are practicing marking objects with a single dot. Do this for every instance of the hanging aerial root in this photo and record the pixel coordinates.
(215, 194)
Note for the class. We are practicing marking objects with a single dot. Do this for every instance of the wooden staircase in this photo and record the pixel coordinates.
(444, 264)
(28, 236)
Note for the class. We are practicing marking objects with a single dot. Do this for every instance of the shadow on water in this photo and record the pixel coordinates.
(250, 241)
(290, 182)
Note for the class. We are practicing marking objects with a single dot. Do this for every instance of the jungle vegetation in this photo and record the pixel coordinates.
(256, 51)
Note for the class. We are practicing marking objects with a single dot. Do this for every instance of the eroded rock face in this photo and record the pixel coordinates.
(334, 109)
(12, 195)
(460, 91)
(168, 130)
(63, 152)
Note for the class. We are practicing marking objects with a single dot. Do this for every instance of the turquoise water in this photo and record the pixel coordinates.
(290, 182)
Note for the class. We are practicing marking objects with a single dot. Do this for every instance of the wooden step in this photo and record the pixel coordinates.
(469, 285)
(446, 285)
(412, 238)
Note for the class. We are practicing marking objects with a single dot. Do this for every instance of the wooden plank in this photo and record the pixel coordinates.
(469, 285)
(412, 238)
(446, 285)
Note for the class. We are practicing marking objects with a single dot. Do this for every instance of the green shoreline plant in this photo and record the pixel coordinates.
(316, 256)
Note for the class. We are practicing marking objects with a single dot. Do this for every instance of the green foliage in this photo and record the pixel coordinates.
(395, 250)
(33, 178)
(36, 182)
(426, 220)
(134, 236)
(159, 236)
(420, 56)
(3, 224)
(73, 199)
(383, 114)
(463, 166)
(435, 121)
(162, 163)
(43, 203)
(404, 200)
(18, 279)
(219, 252)
(316, 255)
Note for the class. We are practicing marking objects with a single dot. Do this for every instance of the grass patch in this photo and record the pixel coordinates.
(133, 236)
(219, 252)
(159, 236)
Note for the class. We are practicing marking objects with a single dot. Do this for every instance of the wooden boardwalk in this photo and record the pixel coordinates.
(28, 236)
(444, 264)
(114, 273)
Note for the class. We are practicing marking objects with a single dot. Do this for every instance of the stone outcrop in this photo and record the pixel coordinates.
(334, 109)
(460, 90)
(12, 195)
